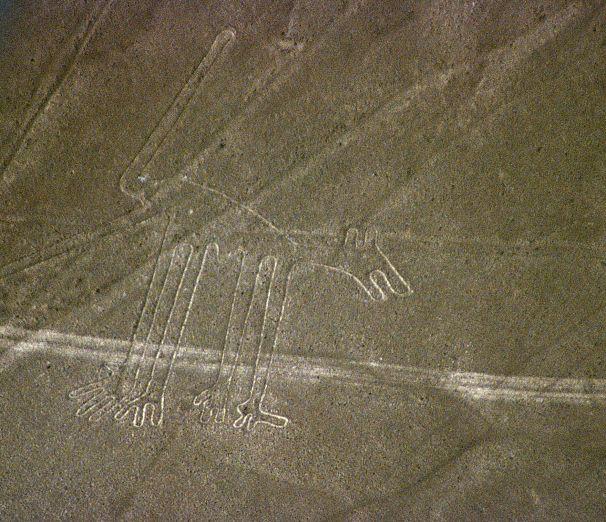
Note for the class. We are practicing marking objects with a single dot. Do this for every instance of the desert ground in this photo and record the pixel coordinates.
(302, 260)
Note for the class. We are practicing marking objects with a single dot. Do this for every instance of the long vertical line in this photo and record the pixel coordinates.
(231, 315)
(170, 315)
(136, 333)
(154, 316)
(263, 328)
(273, 346)
(184, 323)
(239, 349)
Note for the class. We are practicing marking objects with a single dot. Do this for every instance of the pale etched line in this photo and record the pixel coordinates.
(129, 220)
(136, 217)
(258, 284)
(42, 97)
(226, 343)
(272, 261)
(540, 246)
(185, 248)
(171, 117)
(140, 216)
(214, 398)
(502, 61)
(165, 287)
(152, 397)
(548, 246)
(272, 355)
(280, 78)
(266, 311)
(176, 352)
(488, 246)
(313, 369)
(470, 384)
(137, 334)
(246, 208)
(262, 371)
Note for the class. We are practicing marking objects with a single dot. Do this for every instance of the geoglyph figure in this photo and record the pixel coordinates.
(208, 231)
(267, 262)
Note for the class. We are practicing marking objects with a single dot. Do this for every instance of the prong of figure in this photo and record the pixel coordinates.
(137, 392)
(213, 399)
(163, 339)
(119, 385)
(97, 396)
(97, 402)
(241, 332)
(251, 411)
(137, 349)
(364, 261)
(103, 377)
(169, 349)
(163, 312)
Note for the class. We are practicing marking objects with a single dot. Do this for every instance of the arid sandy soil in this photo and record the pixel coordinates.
(314, 260)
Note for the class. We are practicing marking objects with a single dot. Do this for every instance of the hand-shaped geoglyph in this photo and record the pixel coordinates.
(266, 270)
(360, 257)
(361, 260)
(137, 389)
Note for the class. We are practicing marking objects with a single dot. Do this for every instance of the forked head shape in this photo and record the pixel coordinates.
(363, 260)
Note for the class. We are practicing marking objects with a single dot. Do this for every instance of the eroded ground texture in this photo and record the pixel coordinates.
(272, 260)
